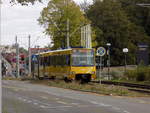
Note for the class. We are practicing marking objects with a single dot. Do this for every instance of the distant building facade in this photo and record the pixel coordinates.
(7, 49)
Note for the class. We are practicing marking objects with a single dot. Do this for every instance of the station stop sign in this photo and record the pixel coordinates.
(101, 51)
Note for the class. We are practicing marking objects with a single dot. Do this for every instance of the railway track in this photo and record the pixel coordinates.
(131, 86)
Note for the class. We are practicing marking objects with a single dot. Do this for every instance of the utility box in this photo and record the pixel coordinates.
(143, 54)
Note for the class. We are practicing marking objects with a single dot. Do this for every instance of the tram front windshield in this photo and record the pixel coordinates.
(83, 58)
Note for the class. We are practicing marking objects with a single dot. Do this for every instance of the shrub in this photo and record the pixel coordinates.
(142, 73)
(131, 74)
(115, 75)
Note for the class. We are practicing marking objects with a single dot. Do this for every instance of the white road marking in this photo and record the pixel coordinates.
(43, 106)
(100, 104)
(107, 105)
(29, 101)
(64, 106)
(126, 111)
(24, 100)
(93, 102)
(75, 103)
(61, 102)
(44, 97)
(116, 108)
(35, 103)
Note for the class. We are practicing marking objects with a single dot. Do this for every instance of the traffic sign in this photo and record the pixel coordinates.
(34, 58)
(101, 51)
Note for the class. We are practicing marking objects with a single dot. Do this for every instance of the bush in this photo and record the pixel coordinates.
(115, 75)
(142, 73)
(131, 74)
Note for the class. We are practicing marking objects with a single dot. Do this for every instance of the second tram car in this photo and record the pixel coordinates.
(72, 64)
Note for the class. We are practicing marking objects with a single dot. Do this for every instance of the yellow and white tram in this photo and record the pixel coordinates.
(72, 64)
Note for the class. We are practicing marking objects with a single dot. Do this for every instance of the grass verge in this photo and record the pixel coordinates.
(92, 87)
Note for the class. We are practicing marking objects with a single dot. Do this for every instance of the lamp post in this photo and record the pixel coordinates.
(108, 60)
(143, 5)
(125, 51)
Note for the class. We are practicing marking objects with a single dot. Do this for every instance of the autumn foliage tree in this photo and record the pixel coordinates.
(54, 19)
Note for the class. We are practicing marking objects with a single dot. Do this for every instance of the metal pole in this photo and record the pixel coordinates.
(125, 63)
(0, 78)
(100, 69)
(17, 56)
(108, 63)
(68, 33)
(0, 67)
(29, 50)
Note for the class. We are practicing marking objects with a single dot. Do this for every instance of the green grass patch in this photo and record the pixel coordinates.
(92, 87)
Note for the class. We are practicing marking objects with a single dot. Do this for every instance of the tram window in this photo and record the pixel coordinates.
(63, 60)
(41, 59)
(46, 62)
(60, 60)
(68, 60)
(49, 63)
(54, 60)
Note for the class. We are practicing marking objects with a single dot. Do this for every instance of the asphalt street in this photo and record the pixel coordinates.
(23, 97)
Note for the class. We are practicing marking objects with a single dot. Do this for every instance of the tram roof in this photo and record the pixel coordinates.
(60, 50)
(54, 51)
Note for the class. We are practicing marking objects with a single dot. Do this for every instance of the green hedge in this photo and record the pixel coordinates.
(142, 73)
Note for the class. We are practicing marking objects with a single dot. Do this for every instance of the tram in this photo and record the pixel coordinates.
(71, 64)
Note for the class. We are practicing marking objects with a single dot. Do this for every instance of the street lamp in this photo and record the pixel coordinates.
(143, 5)
(108, 61)
(125, 51)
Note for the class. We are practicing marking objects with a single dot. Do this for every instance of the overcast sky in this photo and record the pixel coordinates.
(22, 21)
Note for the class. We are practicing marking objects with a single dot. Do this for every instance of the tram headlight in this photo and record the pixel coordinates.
(93, 72)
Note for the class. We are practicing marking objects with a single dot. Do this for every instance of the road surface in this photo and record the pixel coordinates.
(23, 97)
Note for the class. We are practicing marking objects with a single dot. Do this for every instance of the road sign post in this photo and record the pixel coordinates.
(100, 52)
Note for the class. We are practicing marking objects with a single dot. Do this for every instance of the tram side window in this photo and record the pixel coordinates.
(53, 60)
(56, 63)
(49, 61)
(62, 60)
(44, 61)
(68, 60)
(58, 60)
(41, 61)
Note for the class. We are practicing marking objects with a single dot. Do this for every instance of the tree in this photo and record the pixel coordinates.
(54, 19)
(24, 2)
(113, 25)
(138, 15)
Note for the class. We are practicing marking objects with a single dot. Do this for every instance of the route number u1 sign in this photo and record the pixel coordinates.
(101, 51)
